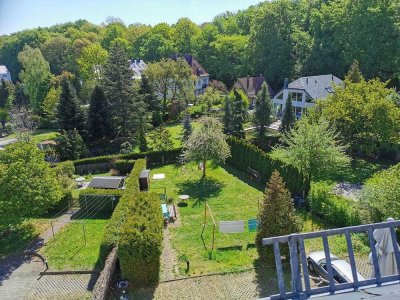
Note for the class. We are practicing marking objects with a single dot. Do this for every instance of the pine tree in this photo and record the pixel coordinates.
(187, 126)
(70, 145)
(238, 120)
(228, 116)
(263, 109)
(277, 215)
(156, 119)
(99, 123)
(118, 88)
(354, 74)
(288, 117)
(142, 134)
(70, 114)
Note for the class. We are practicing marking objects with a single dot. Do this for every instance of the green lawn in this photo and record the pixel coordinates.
(229, 198)
(16, 236)
(39, 135)
(68, 250)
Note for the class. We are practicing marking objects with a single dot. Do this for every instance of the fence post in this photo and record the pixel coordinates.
(84, 232)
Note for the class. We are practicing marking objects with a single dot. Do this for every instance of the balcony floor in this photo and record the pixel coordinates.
(387, 292)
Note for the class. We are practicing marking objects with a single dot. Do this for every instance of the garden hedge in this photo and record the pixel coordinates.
(334, 210)
(140, 243)
(245, 155)
(124, 166)
(113, 227)
(153, 157)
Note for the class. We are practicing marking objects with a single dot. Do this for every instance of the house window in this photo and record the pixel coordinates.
(278, 109)
(329, 89)
(280, 96)
(297, 112)
(297, 97)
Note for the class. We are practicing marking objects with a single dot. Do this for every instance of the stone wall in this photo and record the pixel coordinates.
(103, 283)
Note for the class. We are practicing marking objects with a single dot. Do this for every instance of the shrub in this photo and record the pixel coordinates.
(124, 166)
(245, 155)
(113, 227)
(381, 194)
(64, 203)
(140, 242)
(335, 210)
(66, 168)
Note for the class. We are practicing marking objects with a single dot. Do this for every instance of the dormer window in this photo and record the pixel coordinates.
(329, 89)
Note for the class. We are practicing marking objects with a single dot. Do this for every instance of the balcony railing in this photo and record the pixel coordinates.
(297, 251)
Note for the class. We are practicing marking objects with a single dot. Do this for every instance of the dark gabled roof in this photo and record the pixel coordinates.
(107, 182)
(196, 67)
(252, 85)
(316, 86)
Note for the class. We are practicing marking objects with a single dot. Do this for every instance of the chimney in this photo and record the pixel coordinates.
(248, 81)
(307, 80)
(286, 83)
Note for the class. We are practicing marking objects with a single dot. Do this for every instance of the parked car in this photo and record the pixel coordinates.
(316, 262)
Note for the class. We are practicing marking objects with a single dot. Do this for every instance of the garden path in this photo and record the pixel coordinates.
(19, 271)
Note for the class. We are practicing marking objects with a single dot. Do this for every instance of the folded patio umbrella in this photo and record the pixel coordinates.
(385, 251)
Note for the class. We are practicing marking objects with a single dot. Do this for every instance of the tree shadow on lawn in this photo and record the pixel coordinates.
(244, 177)
(201, 190)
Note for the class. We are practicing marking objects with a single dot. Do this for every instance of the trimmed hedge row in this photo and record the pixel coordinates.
(113, 227)
(153, 157)
(335, 210)
(140, 243)
(245, 155)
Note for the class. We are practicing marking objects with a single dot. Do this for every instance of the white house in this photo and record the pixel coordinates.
(4, 73)
(138, 66)
(201, 75)
(304, 91)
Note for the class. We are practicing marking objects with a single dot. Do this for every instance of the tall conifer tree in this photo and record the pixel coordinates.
(70, 114)
(99, 123)
(288, 117)
(263, 109)
(238, 120)
(228, 116)
(118, 88)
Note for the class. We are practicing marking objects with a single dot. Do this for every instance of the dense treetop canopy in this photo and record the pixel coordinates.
(279, 38)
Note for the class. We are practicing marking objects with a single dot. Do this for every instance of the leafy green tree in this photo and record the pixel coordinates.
(170, 79)
(28, 187)
(91, 62)
(6, 98)
(276, 217)
(228, 116)
(160, 139)
(184, 33)
(238, 119)
(288, 118)
(70, 114)
(313, 148)
(207, 142)
(57, 51)
(229, 58)
(49, 107)
(187, 126)
(99, 124)
(381, 192)
(118, 88)
(263, 109)
(70, 145)
(365, 114)
(35, 76)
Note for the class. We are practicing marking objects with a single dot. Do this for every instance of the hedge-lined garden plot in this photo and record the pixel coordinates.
(229, 199)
